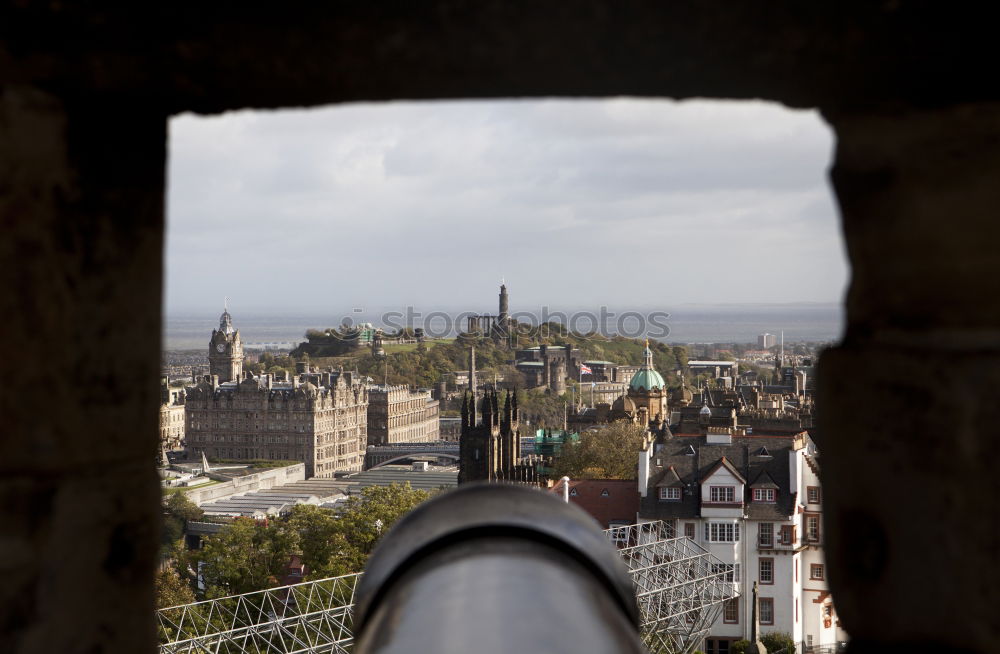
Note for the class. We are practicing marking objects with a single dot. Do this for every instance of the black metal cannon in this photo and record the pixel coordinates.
(496, 568)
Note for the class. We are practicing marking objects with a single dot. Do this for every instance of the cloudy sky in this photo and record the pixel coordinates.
(620, 202)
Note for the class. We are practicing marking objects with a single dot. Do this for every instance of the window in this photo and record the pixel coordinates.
(689, 530)
(572, 491)
(812, 528)
(766, 572)
(722, 494)
(767, 610)
(763, 495)
(812, 494)
(722, 532)
(729, 571)
(787, 534)
(731, 611)
(619, 535)
(670, 494)
(765, 534)
(816, 571)
(605, 493)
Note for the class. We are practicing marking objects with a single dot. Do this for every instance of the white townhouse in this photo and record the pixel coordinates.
(755, 502)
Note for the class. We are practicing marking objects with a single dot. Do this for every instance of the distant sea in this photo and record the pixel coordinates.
(722, 323)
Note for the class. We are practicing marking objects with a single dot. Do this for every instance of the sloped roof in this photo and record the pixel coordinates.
(724, 463)
(740, 456)
(669, 479)
(620, 504)
(764, 480)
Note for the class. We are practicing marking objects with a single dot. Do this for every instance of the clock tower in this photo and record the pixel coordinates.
(225, 350)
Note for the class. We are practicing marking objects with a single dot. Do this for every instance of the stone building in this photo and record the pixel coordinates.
(595, 393)
(171, 417)
(318, 418)
(397, 414)
(548, 366)
(645, 401)
(490, 449)
(755, 502)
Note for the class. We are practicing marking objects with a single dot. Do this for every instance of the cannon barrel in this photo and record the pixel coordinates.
(493, 568)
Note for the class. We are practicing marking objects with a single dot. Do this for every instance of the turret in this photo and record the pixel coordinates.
(508, 417)
(465, 410)
(488, 415)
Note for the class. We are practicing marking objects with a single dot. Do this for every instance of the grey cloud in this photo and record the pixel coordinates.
(433, 202)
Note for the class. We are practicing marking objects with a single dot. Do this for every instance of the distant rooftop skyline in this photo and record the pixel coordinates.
(624, 202)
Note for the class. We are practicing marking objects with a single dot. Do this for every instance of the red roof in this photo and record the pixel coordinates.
(606, 500)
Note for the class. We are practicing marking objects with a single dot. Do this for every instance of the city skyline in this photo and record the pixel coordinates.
(576, 203)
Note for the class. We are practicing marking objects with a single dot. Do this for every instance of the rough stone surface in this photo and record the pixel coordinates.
(81, 216)
(223, 55)
(907, 85)
(915, 191)
(906, 485)
(907, 416)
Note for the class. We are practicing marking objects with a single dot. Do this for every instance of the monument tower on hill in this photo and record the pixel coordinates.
(499, 328)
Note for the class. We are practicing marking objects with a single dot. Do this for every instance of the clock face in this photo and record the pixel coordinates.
(221, 347)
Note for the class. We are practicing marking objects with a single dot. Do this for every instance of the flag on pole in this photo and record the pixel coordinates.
(585, 370)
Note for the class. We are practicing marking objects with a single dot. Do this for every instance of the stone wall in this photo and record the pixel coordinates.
(908, 87)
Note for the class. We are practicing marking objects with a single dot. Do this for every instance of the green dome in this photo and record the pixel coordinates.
(646, 380)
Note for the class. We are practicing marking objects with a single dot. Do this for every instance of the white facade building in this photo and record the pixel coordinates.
(754, 502)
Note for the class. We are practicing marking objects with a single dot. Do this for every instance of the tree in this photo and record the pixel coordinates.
(778, 642)
(177, 511)
(181, 507)
(542, 408)
(325, 552)
(366, 517)
(680, 355)
(244, 557)
(171, 589)
(609, 453)
(333, 544)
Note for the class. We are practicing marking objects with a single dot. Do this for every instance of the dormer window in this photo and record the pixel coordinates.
(605, 493)
(689, 451)
(724, 494)
(572, 492)
(672, 494)
(763, 495)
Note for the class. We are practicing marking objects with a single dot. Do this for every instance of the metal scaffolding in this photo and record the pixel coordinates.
(314, 616)
(680, 588)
